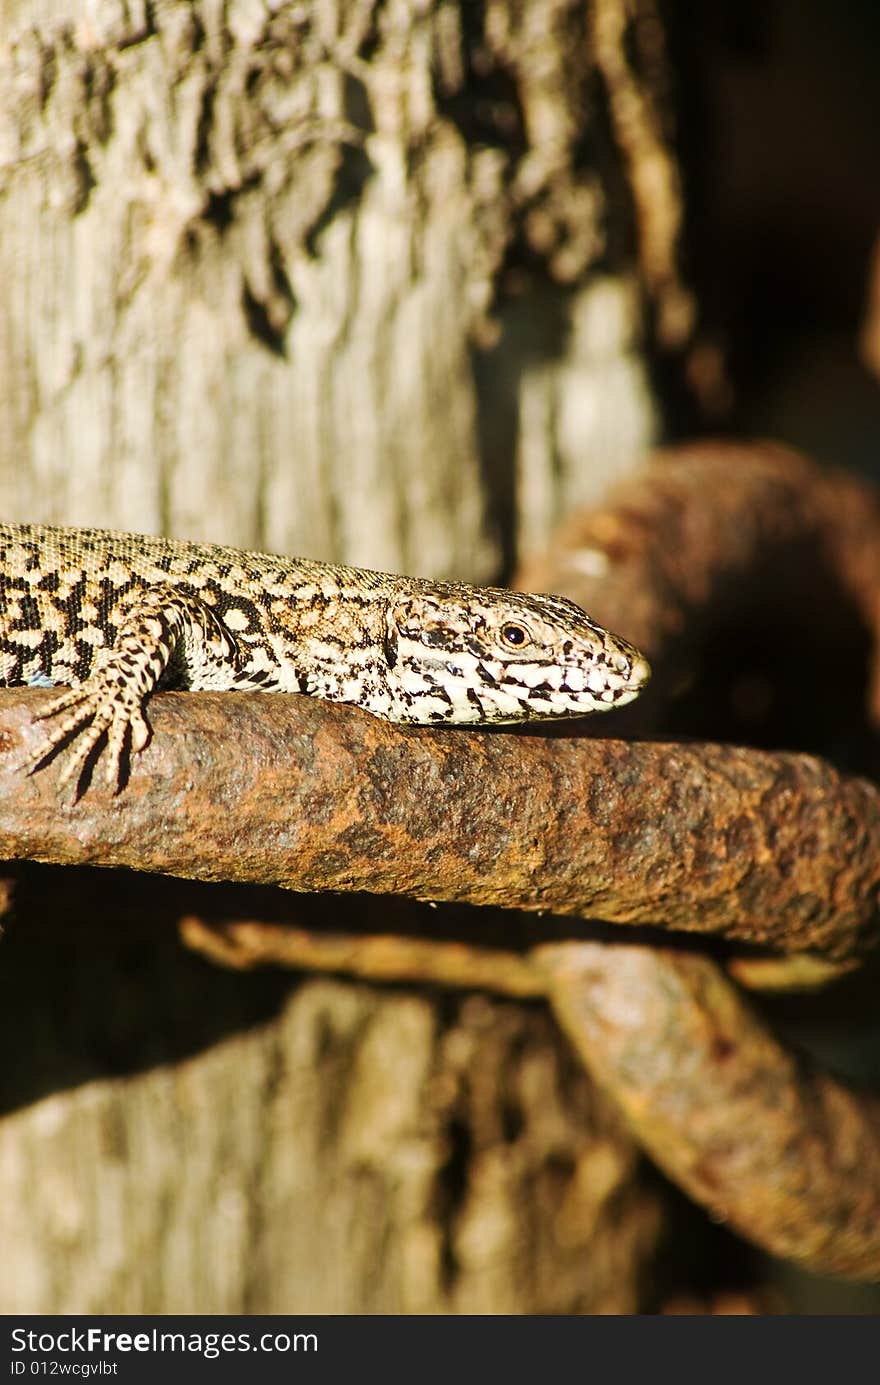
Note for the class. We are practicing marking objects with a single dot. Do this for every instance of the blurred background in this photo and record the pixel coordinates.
(779, 118)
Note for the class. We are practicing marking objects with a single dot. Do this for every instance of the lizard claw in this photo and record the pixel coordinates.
(100, 710)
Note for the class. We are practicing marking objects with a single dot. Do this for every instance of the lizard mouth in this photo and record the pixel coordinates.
(640, 674)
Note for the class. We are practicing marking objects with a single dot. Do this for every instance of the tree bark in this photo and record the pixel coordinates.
(319, 279)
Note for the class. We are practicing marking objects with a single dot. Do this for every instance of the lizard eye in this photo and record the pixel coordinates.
(513, 635)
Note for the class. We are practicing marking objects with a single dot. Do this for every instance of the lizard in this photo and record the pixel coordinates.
(113, 617)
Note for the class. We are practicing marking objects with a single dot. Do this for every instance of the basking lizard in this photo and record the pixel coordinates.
(114, 616)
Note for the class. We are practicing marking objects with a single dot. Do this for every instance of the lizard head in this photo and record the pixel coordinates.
(484, 655)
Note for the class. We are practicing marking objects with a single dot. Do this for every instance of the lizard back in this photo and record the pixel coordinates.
(64, 591)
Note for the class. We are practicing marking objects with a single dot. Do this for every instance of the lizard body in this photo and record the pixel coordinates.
(114, 616)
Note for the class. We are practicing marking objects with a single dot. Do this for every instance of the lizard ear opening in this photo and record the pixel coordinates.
(404, 620)
(409, 614)
(389, 640)
(433, 623)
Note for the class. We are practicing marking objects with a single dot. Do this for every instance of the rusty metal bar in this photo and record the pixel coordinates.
(726, 534)
(775, 849)
(780, 1150)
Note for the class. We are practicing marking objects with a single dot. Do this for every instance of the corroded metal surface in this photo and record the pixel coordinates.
(705, 527)
(782, 1151)
(776, 849)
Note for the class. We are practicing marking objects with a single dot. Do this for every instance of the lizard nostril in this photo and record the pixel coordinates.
(641, 671)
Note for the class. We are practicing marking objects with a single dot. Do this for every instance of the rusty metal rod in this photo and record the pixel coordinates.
(712, 531)
(782, 1151)
(768, 848)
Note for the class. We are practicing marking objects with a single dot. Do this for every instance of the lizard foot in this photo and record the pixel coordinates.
(103, 709)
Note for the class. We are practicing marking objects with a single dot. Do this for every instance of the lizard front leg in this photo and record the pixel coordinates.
(160, 627)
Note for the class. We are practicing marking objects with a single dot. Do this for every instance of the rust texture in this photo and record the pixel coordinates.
(775, 849)
(769, 1143)
(734, 537)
